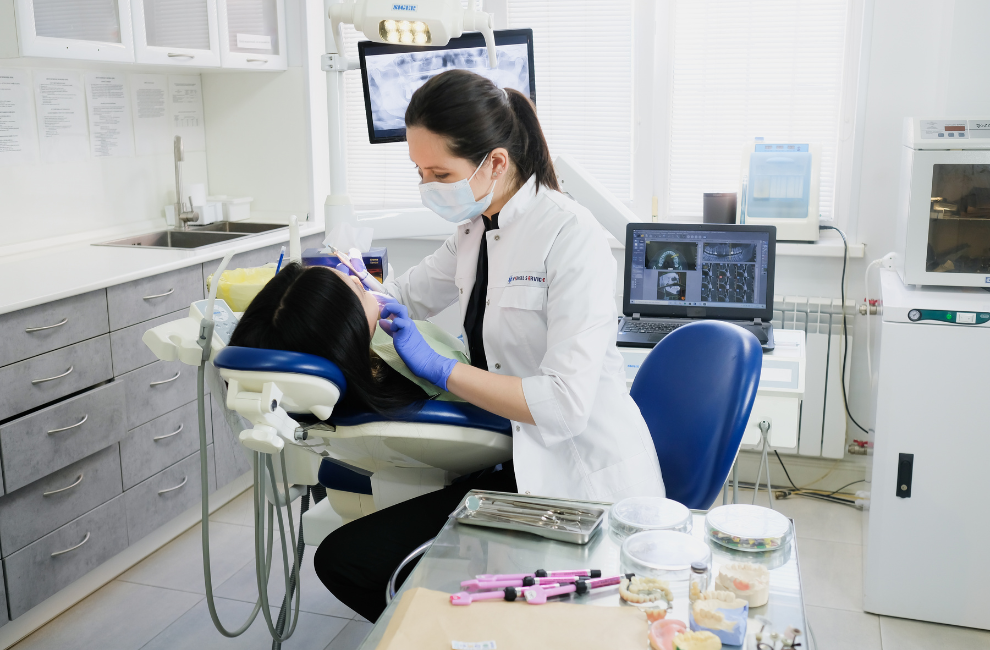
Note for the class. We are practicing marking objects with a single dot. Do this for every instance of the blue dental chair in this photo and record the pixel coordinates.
(365, 461)
(696, 390)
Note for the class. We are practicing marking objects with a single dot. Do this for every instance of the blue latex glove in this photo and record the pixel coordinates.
(422, 360)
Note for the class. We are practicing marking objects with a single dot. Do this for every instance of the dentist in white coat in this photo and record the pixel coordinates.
(534, 278)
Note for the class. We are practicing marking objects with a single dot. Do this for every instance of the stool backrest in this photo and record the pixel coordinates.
(696, 390)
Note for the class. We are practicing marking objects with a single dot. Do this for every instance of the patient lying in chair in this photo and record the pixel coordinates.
(320, 311)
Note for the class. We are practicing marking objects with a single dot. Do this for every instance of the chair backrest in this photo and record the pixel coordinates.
(259, 360)
(696, 390)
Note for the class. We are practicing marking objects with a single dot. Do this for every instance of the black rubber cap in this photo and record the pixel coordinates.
(510, 594)
(596, 573)
(541, 573)
(529, 581)
(581, 587)
(629, 576)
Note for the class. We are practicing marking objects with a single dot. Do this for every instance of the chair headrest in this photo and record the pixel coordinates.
(259, 360)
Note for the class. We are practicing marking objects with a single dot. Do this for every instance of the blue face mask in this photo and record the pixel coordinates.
(455, 201)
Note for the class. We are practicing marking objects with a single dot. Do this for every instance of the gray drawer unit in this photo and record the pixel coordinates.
(164, 441)
(52, 438)
(37, 509)
(40, 569)
(156, 389)
(231, 456)
(36, 330)
(129, 351)
(51, 376)
(147, 298)
(165, 495)
(3, 603)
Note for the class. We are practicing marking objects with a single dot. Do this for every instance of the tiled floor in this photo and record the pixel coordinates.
(159, 604)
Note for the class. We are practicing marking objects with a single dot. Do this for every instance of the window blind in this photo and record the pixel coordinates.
(583, 59)
(744, 69)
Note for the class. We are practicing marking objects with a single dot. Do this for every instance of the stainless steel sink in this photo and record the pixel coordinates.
(175, 239)
(234, 226)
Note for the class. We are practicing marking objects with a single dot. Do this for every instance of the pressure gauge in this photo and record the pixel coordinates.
(914, 315)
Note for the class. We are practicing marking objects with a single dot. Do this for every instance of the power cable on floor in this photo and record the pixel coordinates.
(845, 338)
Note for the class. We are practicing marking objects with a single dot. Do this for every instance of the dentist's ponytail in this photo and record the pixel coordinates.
(475, 116)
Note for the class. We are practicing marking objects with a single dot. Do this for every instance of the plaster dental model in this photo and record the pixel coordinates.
(697, 641)
(748, 581)
(641, 590)
(721, 613)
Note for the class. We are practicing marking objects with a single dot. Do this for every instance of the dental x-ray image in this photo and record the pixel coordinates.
(672, 286)
(392, 78)
(675, 256)
(729, 253)
(732, 283)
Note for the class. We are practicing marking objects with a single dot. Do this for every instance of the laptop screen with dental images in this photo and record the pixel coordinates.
(700, 270)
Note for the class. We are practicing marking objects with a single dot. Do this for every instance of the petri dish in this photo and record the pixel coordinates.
(638, 514)
(746, 527)
(665, 554)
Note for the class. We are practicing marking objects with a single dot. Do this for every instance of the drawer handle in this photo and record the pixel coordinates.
(169, 435)
(78, 481)
(159, 295)
(71, 426)
(166, 381)
(48, 327)
(173, 55)
(71, 548)
(184, 479)
(257, 60)
(41, 381)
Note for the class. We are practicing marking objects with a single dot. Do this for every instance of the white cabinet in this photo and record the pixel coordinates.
(252, 34)
(176, 32)
(98, 30)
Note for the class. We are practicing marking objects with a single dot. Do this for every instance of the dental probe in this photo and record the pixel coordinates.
(366, 278)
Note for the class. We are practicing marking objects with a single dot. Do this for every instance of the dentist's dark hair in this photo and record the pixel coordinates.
(475, 116)
(313, 310)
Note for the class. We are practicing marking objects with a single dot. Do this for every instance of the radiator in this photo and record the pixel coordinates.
(823, 417)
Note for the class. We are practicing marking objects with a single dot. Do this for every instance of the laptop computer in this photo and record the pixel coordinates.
(679, 273)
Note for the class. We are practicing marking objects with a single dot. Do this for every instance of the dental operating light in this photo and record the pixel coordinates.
(417, 22)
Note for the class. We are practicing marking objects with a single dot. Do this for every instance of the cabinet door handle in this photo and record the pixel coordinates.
(184, 479)
(169, 435)
(47, 327)
(257, 60)
(78, 481)
(166, 381)
(71, 548)
(41, 381)
(159, 295)
(71, 426)
(173, 55)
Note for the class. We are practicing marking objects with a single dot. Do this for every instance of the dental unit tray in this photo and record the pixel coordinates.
(563, 520)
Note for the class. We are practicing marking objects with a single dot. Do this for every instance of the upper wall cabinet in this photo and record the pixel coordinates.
(98, 30)
(252, 34)
(176, 32)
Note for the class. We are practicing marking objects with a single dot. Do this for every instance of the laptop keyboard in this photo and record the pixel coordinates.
(648, 327)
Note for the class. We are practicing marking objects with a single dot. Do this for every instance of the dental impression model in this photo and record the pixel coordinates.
(706, 610)
(748, 581)
(641, 590)
(697, 641)
(662, 633)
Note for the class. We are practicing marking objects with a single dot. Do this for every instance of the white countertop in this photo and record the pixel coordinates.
(42, 275)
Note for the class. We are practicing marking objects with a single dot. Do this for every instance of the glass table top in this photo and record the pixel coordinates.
(462, 551)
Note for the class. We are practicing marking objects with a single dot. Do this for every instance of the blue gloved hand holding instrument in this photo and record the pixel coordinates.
(353, 264)
(422, 360)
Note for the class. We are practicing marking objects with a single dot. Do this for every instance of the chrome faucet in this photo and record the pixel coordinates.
(181, 214)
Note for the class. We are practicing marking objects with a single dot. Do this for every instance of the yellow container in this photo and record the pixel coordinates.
(238, 287)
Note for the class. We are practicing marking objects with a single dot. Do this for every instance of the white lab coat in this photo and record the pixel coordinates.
(550, 319)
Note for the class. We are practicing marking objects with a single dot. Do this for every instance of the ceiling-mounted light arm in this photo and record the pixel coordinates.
(410, 22)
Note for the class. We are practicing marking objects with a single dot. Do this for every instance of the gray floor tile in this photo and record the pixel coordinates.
(351, 637)
(179, 564)
(121, 616)
(195, 630)
(902, 634)
(314, 597)
(837, 629)
(239, 510)
(832, 574)
(830, 522)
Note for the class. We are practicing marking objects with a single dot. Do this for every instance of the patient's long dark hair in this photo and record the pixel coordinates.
(313, 310)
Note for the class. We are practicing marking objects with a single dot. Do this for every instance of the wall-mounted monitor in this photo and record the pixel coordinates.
(391, 73)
